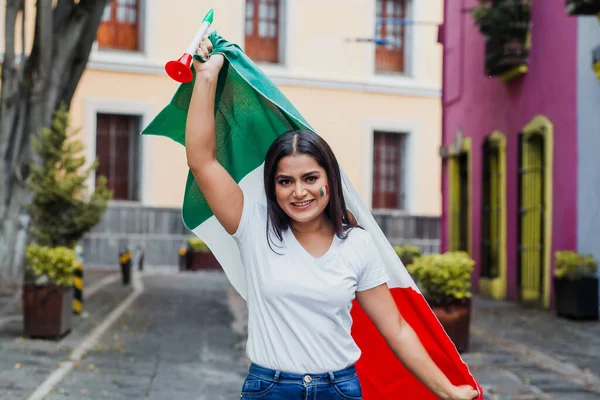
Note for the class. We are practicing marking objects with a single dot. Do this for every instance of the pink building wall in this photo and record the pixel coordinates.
(476, 105)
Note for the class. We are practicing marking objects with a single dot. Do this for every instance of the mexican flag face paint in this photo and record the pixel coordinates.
(324, 191)
(250, 112)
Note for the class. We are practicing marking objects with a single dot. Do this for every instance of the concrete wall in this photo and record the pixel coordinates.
(159, 230)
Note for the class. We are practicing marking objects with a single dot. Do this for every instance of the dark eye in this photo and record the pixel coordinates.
(311, 179)
(284, 182)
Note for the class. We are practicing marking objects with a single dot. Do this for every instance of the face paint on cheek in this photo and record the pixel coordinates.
(324, 191)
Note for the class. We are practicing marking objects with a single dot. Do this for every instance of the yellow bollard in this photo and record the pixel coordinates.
(78, 289)
(182, 259)
(125, 261)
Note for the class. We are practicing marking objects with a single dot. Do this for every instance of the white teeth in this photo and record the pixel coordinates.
(302, 204)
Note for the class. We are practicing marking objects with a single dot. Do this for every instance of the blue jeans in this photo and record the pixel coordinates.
(268, 384)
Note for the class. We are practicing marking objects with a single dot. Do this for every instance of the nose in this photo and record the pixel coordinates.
(299, 190)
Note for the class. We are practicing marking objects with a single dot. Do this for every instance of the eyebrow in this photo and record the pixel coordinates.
(304, 176)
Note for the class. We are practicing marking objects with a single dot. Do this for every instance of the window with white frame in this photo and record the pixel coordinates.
(117, 149)
(391, 27)
(263, 26)
(389, 184)
(120, 26)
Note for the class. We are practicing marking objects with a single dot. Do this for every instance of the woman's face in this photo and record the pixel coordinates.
(298, 181)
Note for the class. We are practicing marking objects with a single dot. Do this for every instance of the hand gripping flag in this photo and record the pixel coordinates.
(250, 112)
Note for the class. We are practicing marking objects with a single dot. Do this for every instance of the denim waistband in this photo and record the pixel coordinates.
(277, 375)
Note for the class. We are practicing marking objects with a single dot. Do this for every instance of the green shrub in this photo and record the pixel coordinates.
(197, 245)
(442, 277)
(408, 253)
(571, 265)
(51, 265)
(62, 208)
(506, 20)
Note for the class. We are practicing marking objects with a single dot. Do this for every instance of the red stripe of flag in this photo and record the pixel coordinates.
(382, 376)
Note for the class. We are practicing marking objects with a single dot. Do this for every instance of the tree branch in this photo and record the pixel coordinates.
(23, 42)
(44, 42)
(82, 51)
(12, 8)
(61, 13)
(8, 100)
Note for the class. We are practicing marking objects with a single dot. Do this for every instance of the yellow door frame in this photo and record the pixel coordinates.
(542, 125)
(454, 202)
(496, 287)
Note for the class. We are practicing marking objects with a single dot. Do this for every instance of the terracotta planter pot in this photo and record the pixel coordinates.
(455, 317)
(197, 261)
(47, 311)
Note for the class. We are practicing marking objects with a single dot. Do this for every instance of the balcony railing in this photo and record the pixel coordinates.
(506, 26)
(504, 55)
(402, 229)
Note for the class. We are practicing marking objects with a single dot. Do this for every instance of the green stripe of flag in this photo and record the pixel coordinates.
(250, 112)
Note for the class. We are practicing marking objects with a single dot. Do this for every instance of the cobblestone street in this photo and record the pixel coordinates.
(182, 338)
(521, 353)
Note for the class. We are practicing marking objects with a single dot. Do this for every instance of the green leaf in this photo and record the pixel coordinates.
(61, 210)
(442, 276)
(55, 263)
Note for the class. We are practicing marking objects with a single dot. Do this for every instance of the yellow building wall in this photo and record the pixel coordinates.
(328, 75)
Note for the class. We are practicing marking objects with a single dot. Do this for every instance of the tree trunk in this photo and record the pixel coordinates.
(31, 91)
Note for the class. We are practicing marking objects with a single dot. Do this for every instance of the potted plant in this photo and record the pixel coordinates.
(199, 256)
(575, 285)
(582, 7)
(596, 61)
(407, 253)
(61, 211)
(48, 292)
(445, 281)
(506, 25)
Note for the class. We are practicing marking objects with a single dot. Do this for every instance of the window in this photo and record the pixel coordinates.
(388, 170)
(533, 207)
(119, 28)
(391, 27)
(117, 148)
(491, 231)
(459, 202)
(262, 30)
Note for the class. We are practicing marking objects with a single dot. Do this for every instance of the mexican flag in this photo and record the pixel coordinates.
(250, 112)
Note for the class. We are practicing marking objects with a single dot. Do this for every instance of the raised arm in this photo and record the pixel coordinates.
(224, 196)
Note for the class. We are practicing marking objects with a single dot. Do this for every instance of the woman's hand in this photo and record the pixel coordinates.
(463, 392)
(211, 67)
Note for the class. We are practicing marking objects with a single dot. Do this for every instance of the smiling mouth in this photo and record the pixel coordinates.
(302, 204)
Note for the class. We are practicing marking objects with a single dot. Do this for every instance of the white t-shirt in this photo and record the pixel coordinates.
(299, 306)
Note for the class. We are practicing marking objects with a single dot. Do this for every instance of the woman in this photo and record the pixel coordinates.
(305, 261)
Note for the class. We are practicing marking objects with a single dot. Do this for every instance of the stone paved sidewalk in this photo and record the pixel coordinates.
(525, 353)
(26, 363)
(178, 340)
(184, 337)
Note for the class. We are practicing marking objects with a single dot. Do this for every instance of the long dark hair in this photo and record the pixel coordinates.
(309, 143)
